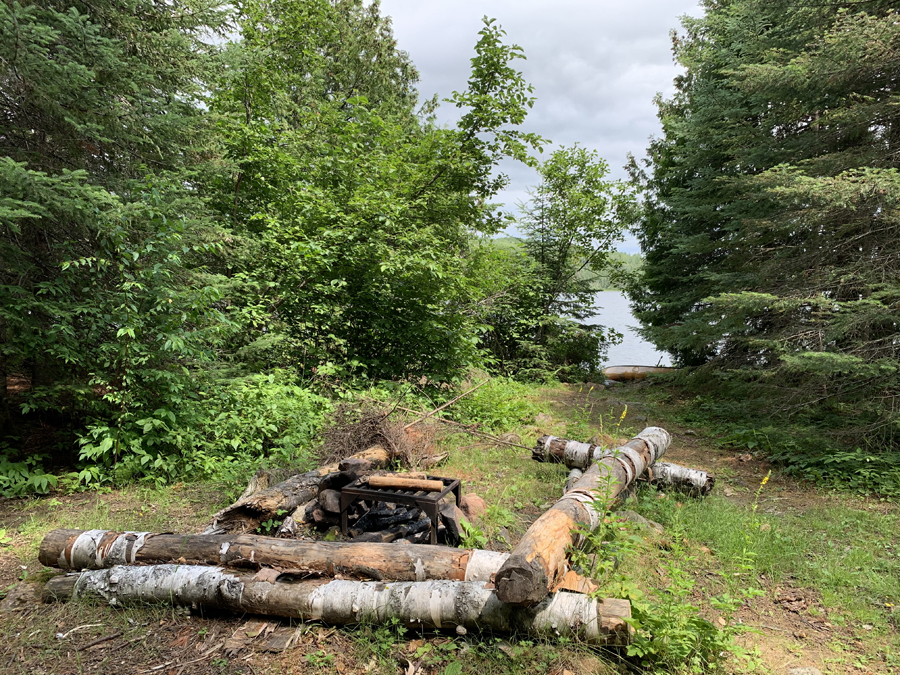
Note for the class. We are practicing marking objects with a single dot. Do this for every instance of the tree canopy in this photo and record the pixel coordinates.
(770, 216)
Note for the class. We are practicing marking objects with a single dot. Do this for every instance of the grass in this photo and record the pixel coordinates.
(838, 553)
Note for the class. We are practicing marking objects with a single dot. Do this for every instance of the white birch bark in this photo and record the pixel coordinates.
(434, 604)
(668, 475)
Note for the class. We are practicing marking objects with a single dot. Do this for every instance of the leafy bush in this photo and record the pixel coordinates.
(241, 421)
(500, 405)
(21, 477)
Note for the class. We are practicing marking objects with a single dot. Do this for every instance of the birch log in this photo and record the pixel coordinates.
(97, 549)
(539, 560)
(694, 481)
(574, 454)
(577, 456)
(246, 514)
(434, 604)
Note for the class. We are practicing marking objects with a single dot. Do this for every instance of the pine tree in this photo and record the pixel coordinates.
(770, 226)
(102, 131)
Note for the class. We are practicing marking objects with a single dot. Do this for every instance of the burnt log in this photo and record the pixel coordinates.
(246, 514)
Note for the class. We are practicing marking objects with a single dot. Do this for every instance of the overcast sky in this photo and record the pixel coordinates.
(595, 65)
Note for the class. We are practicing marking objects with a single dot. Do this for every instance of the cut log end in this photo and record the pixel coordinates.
(520, 582)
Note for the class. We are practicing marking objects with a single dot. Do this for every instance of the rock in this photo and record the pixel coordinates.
(805, 670)
(543, 418)
(330, 500)
(336, 480)
(21, 596)
(633, 517)
(638, 418)
(452, 517)
(355, 465)
(511, 438)
(321, 518)
(472, 506)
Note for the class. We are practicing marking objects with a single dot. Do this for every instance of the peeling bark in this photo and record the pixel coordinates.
(433, 604)
(539, 560)
(667, 475)
(96, 549)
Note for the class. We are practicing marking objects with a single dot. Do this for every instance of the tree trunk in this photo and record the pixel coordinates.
(435, 604)
(96, 549)
(539, 560)
(246, 514)
(673, 476)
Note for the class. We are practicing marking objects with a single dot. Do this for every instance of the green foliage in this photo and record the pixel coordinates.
(572, 222)
(24, 476)
(472, 536)
(356, 215)
(671, 635)
(770, 216)
(235, 424)
(104, 302)
(500, 405)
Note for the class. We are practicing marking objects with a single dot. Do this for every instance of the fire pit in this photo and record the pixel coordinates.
(428, 502)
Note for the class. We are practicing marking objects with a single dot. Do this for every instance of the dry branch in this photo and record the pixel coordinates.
(435, 604)
(468, 428)
(539, 560)
(446, 405)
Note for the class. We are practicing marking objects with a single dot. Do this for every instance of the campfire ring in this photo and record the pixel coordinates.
(428, 502)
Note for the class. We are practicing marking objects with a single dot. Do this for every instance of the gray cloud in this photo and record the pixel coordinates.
(595, 66)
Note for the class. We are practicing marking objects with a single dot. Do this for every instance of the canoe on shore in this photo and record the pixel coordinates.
(624, 373)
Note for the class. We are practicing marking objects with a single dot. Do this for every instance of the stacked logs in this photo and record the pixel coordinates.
(531, 589)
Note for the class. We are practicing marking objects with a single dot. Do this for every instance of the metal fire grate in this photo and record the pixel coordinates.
(428, 502)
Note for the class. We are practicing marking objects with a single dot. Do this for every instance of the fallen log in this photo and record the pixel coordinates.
(577, 456)
(97, 549)
(539, 560)
(246, 514)
(627, 373)
(574, 454)
(673, 476)
(574, 476)
(435, 604)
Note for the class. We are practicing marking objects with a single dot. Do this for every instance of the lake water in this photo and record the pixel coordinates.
(614, 311)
